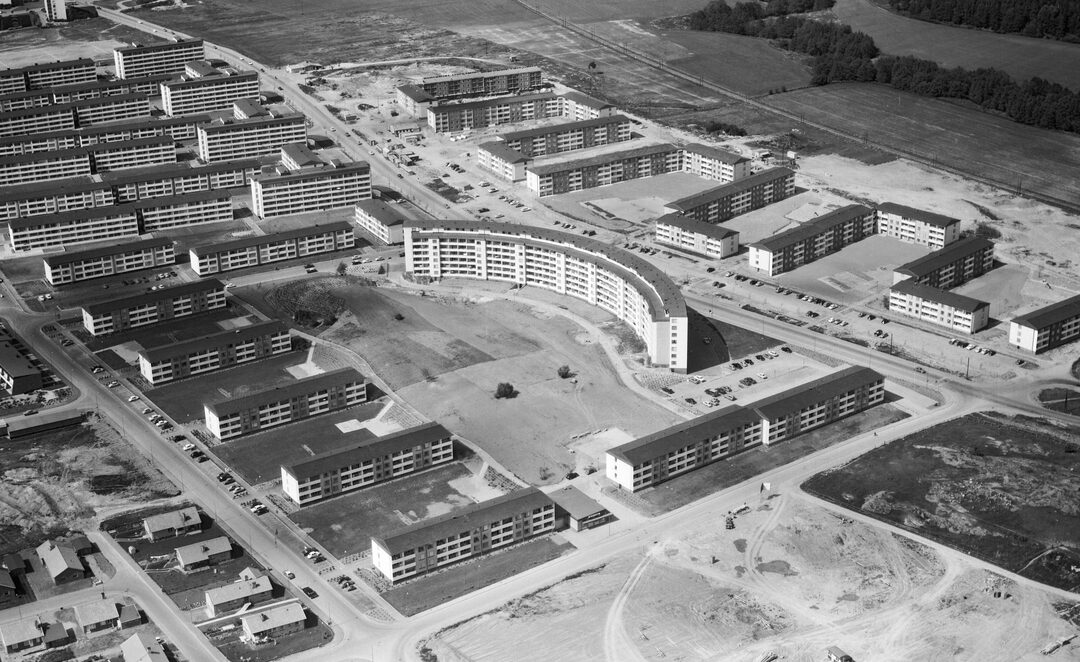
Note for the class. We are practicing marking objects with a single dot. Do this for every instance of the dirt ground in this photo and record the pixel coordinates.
(94, 38)
(792, 578)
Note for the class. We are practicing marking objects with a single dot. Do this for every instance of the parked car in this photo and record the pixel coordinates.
(133, 398)
(290, 574)
(113, 384)
(189, 447)
(691, 401)
(310, 592)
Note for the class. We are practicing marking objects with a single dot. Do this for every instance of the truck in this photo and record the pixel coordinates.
(836, 655)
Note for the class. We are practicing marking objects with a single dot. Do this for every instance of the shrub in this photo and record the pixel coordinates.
(505, 390)
(564, 372)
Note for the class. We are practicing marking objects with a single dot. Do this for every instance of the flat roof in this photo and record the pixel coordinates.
(52, 187)
(300, 153)
(14, 363)
(229, 124)
(1050, 315)
(238, 590)
(111, 248)
(955, 251)
(275, 617)
(120, 303)
(387, 215)
(811, 393)
(175, 519)
(49, 417)
(480, 74)
(691, 224)
(51, 155)
(664, 296)
(609, 157)
(500, 150)
(112, 98)
(722, 155)
(193, 196)
(185, 347)
(724, 190)
(684, 434)
(169, 170)
(938, 295)
(163, 139)
(256, 240)
(106, 84)
(110, 211)
(575, 502)
(316, 172)
(468, 518)
(38, 110)
(366, 449)
(917, 214)
(494, 101)
(211, 80)
(812, 227)
(45, 66)
(45, 92)
(299, 387)
(159, 46)
(564, 126)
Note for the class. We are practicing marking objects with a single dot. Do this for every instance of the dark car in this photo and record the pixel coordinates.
(691, 401)
(310, 592)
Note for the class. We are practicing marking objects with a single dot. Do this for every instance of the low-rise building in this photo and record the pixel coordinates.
(222, 600)
(727, 201)
(17, 374)
(463, 534)
(202, 555)
(313, 188)
(61, 562)
(311, 396)
(141, 648)
(270, 248)
(951, 266)
(916, 226)
(812, 240)
(162, 58)
(217, 90)
(413, 99)
(21, 635)
(938, 306)
(381, 221)
(216, 351)
(115, 258)
(1047, 327)
(97, 615)
(132, 312)
(695, 236)
(367, 462)
(231, 139)
(279, 621)
(172, 524)
(580, 511)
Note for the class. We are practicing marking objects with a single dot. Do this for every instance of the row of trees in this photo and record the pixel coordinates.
(1051, 19)
(840, 54)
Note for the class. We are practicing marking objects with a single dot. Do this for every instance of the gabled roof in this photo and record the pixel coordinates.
(367, 449)
(141, 648)
(416, 93)
(299, 387)
(738, 186)
(201, 551)
(813, 227)
(20, 631)
(938, 295)
(98, 611)
(681, 435)
(177, 519)
(1050, 315)
(58, 558)
(691, 224)
(464, 519)
(812, 393)
(954, 252)
(218, 339)
(238, 590)
(274, 617)
(918, 214)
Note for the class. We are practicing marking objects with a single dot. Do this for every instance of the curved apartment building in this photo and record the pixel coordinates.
(607, 277)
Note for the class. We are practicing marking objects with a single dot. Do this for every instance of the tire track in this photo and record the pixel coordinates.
(617, 646)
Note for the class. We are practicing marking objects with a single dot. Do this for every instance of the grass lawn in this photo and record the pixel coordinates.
(315, 634)
(745, 64)
(258, 457)
(742, 342)
(718, 475)
(1061, 399)
(415, 596)
(378, 510)
(996, 487)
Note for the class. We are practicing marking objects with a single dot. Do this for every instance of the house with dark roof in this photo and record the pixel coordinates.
(175, 523)
(580, 511)
(950, 266)
(61, 562)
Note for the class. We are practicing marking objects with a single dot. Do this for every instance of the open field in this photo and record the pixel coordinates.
(1061, 399)
(1008, 288)
(792, 578)
(415, 596)
(1021, 57)
(258, 457)
(995, 487)
(745, 64)
(949, 133)
(381, 509)
(94, 38)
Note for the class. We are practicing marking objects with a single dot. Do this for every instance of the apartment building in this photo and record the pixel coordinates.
(413, 99)
(303, 398)
(40, 142)
(161, 59)
(80, 226)
(714, 163)
(1047, 327)
(615, 280)
(216, 351)
(204, 94)
(47, 74)
(822, 401)
(610, 168)
(951, 266)
(17, 374)
(226, 140)
(382, 222)
(504, 162)
(178, 128)
(53, 197)
(569, 136)
(367, 462)
(27, 99)
(483, 83)
(812, 240)
(683, 447)
(695, 236)
(56, 10)
(730, 200)
(109, 260)
(314, 188)
(916, 226)
(270, 248)
(449, 117)
(155, 150)
(148, 85)
(179, 179)
(185, 210)
(463, 534)
(939, 307)
(577, 106)
(110, 109)
(37, 120)
(43, 166)
(149, 308)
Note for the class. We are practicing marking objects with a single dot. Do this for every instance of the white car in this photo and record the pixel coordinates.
(762, 375)
(133, 398)
(189, 447)
(289, 574)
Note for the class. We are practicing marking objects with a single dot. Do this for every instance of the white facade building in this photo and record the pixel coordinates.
(164, 58)
(916, 226)
(329, 186)
(115, 258)
(226, 140)
(939, 307)
(697, 237)
(187, 96)
(1047, 327)
(270, 248)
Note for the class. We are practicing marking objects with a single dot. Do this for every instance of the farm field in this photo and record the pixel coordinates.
(745, 64)
(986, 484)
(792, 578)
(953, 135)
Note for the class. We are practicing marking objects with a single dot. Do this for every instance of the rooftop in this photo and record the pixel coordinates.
(111, 248)
(738, 186)
(238, 590)
(106, 84)
(684, 434)
(98, 611)
(955, 251)
(19, 631)
(275, 617)
(141, 648)
(166, 171)
(14, 363)
(565, 126)
(415, 92)
(664, 296)
(45, 66)
(499, 150)
(494, 101)
(212, 340)
(300, 153)
(183, 198)
(1050, 315)
(575, 502)
(386, 214)
(208, 81)
(691, 224)
(61, 218)
(51, 187)
(585, 99)
(469, 518)
(120, 303)
(722, 155)
(58, 558)
(814, 392)
(159, 46)
(230, 124)
(299, 387)
(317, 172)
(610, 157)
(480, 74)
(813, 227)
(367, 449)
(917, 214)
(200, 552)
(938, 295)
(177, 519)
(258, 240)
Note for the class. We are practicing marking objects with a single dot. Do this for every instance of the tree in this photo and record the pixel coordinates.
(564, 372)
(341, 268)
(505, 390)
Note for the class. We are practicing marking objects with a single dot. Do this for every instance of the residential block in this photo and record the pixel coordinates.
(730, 200)
(139, 310)
(813, 240)
(692, 235)
(1047, 327)
(267, 249)
(916, 226)
(115, 258)
(217, 351)
(937, 306)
